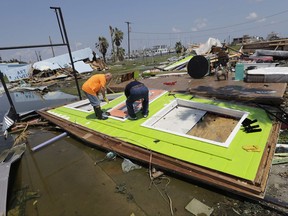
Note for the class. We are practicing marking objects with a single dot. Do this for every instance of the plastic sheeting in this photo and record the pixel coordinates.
(205, 48)
(128, 165)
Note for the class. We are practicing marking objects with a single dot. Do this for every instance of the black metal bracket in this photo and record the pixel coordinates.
(280, 114)
(248, 128)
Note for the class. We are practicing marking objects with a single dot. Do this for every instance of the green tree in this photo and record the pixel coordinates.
(178, 47)
(102, 46)
(118, 37)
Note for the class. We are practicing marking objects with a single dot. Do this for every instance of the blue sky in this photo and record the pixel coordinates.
(153, 22)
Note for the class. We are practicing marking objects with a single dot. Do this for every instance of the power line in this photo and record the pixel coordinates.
(196, 34)
(216, 28)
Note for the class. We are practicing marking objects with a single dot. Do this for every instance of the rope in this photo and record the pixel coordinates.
(169, 201)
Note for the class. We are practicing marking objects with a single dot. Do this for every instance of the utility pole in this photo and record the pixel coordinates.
(51, 46)
(128, 25)
(36, 55)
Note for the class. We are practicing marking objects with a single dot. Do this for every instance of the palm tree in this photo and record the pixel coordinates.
(118, 37)
(121, 53)
(112, 42)
(102, 46)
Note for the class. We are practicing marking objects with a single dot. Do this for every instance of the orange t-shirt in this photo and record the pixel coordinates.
(94, 84)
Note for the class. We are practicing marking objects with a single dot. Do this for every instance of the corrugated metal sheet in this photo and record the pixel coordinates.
(19, 72)
(63, 61)
(12, 155)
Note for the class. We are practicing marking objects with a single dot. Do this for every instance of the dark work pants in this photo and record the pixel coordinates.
(137, 94)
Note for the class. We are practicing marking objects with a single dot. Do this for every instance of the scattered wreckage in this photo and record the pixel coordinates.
(191, 154)
(58, 67)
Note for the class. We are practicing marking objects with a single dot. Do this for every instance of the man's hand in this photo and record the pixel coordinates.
(106, 100)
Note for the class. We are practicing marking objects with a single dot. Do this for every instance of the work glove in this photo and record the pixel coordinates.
(106, 100)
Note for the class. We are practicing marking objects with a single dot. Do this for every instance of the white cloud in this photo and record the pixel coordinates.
(78, 45)
(262, 20)
(176, 30)
(199, 24)
(273, 22)
(252, 15)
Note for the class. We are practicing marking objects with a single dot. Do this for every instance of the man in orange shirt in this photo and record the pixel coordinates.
(92, 87)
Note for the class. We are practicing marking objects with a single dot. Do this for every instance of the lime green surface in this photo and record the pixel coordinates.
(178, 63)
(232, 160)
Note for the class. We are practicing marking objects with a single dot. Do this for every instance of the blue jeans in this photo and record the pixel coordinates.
(137, 94)
(94, 101)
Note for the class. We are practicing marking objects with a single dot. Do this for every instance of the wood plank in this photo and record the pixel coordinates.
(209, 86)
(266, 161)
(280, 160)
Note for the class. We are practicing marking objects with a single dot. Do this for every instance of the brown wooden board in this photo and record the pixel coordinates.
(208, 86)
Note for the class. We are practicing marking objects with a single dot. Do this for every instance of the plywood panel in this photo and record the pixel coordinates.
(214, 127)
(120, 111)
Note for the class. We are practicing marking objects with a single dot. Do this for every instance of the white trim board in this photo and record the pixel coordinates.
(179, 116)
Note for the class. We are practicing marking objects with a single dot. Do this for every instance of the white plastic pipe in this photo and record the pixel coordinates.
(54, 139)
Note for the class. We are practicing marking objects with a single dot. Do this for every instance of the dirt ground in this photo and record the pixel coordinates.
(278, 182)
(277, 187)
(68, 177)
